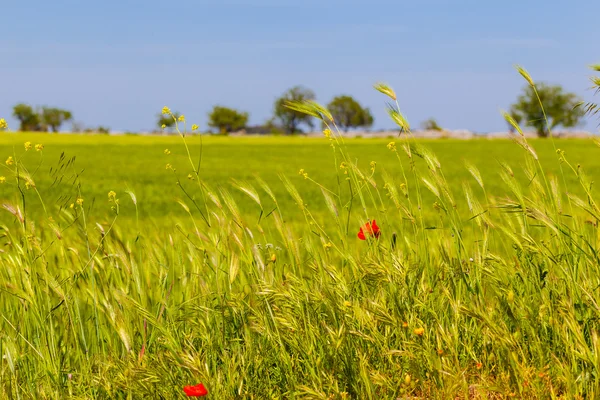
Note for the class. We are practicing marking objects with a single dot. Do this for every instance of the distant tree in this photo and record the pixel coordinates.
(227, 119)
(431, 125)
(28, 118)
(291, 120)
(53, 118)
(560, 107)
(103, 129)
(348, 113)
(166, 121)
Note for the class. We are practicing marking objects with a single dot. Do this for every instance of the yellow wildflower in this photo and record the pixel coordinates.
(28, 146)
(419, 331)
(72, 205)
(327, 133)
(391, 146)
(273, 258)
(344, 166)
(303, 173)
(373, 164)
(2, 179)
(168, 166)
(10, 161)
(39, 147)
(181, 118)
(190, 177)
(167, 151)
(163, 126)
(112, 196)
(194, 127)
(3, 124)
(166, 110)
(79, 201)
(328, 245)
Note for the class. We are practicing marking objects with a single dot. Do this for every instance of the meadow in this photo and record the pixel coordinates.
(137, 164)
(128, 272)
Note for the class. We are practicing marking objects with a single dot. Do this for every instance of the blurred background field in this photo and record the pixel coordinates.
(138, 164)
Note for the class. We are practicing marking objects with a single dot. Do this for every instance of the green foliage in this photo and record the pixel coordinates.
(290, 119)
(226, 119)
(431, 125)
(166, 121)
(40, 120)
(559, 108)
(29, 120)
(53, 118)
(104, 130)
(348, 113)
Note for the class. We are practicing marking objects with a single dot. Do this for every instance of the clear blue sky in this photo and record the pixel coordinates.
(117, 63)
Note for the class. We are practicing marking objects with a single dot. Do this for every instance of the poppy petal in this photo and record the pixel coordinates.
(361, 234)
(198, 390)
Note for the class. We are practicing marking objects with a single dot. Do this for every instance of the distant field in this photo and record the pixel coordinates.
(138, 163)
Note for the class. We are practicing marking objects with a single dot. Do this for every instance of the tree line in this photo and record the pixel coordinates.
(348, 113)
(560, 109)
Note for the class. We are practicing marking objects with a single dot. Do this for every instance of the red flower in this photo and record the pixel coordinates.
(369, 229)
(195, 391)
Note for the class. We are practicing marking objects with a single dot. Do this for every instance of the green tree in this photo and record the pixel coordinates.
(28, 119)
(560, 108)
(291, 120)
(166, 121)
(348, 113)
(227, 119)
(431, 125)
(53, 118)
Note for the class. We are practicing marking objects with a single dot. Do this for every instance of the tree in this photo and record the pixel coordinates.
(28, 118)
(167, 121)
(431, 125)
(227, 119)
(53, 118)
(560, 108)
(348, 113)
(292, 119)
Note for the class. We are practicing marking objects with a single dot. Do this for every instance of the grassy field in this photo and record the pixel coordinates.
(484, 281)
(135, 163)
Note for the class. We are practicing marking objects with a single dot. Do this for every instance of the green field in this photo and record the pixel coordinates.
(260, 288)
(137, 163)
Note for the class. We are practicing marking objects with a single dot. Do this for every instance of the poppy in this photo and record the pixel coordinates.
(369, 229)
(195, 391)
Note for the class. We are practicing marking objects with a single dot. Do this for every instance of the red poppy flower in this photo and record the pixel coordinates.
(369, 229)
(195, 391)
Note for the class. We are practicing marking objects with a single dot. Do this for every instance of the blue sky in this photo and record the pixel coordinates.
(117, 63)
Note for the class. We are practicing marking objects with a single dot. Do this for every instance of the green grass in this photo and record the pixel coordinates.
(137, 163)
(276, 297)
